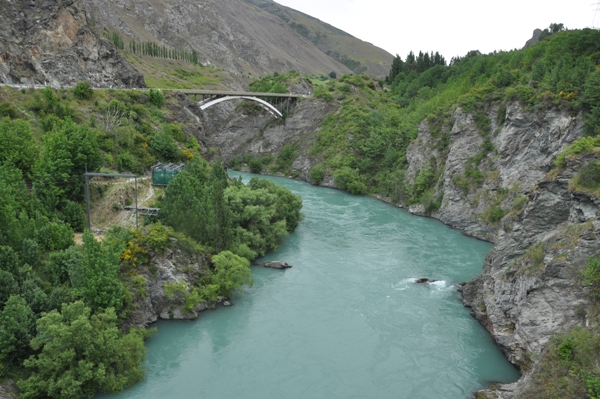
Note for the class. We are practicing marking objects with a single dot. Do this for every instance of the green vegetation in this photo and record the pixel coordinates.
(364, 143)
(80, 353)
(152, 49)
(276, 83)
(63, 306)
(317, 174)
(83, 91)
(569, 367)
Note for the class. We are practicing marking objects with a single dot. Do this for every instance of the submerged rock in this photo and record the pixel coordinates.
(276, 264)
(425, 281)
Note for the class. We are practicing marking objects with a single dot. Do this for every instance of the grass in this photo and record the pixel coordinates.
(172, 74)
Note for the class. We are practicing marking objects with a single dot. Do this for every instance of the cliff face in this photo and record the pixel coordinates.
(531, 285)
(49, 42)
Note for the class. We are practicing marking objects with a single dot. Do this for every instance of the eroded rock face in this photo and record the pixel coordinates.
(49, 42)
(172, 267)
(237, 131)
(524, 148)
(531, 286)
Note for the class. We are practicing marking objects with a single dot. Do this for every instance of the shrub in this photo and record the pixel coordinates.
(8, 110)
(156, 97)
(255, 165)
(100, 359)
(591, 276)
(157, 238)
(231, 272)
(317, 174)
(494, 214)
(83, 91)
(165, 146)
(286, 157)
(350, 180)
(589, 175)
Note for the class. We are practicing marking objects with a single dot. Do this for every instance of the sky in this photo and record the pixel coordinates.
(450, 27)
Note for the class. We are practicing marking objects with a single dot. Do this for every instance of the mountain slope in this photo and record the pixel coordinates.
(359, 56)
(237, 36)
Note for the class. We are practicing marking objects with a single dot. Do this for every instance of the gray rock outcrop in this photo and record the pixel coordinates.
(277, 264)
(535, 38)
(50, 42)
(176, 268)
(531, 286)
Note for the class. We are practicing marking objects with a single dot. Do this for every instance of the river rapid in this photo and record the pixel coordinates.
(347, 321)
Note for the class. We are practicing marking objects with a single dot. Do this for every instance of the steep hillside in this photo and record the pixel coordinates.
(51, 43)
(359, 56)
(237, 36)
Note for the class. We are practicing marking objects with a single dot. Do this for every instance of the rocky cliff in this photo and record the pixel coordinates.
(49, 42)
(531, 285)
(173, 266)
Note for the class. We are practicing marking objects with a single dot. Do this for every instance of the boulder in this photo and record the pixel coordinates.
(276, 264)
(425, 281)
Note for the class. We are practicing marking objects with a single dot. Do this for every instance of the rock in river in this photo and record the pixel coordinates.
(276, 264)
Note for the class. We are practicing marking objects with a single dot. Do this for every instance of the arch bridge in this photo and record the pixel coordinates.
(273, 103)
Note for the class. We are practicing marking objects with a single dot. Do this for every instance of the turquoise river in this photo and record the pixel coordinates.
(347, 321)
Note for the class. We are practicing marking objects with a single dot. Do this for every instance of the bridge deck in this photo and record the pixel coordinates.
(238, 93)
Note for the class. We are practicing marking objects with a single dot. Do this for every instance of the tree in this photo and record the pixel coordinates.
(164, 144)
(58, 175)
(230, 272)
(591, 102)
(35, 297)
(185, 207)
(156, 97)
(18, 146)
(97, 279)
(288, 204)
(63, 264)
(81, 354)
(255, 220)
(332, 75)
(83, 91)
(219, 217)
(18, 328)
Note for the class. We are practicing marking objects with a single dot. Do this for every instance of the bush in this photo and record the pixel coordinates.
(8, 110)
(255, 165)
(589, 175)
(83, 91)
(286, 158)
(350, 180)
(157, 238)
(165, 146)
(317, 174)
(591, 276)
(100, 359)
(494, 214)
(156, 97)
(231, 272)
